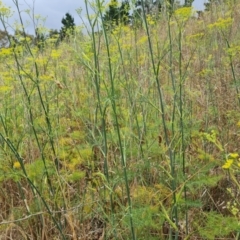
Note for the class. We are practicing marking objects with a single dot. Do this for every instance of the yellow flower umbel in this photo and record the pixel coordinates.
(228, 164)
(221, 23)
(230, 159)
(233, 155)
(16, 165)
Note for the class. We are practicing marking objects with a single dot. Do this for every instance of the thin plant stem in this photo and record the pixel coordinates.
(113, 104)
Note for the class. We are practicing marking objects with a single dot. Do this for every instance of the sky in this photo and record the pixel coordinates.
(54, 11)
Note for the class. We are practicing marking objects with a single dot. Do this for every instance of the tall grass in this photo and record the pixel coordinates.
(130, 133)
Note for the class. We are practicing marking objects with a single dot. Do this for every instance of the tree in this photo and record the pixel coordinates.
(54, 34)
(116, 15)
(111, 15)
(4, 42)
(156, 6)
(210, 3)
(68, 26)
(171, 5)
(188, 3)
(39, 39)
(149, 6)
(124, 12)
(152, 7)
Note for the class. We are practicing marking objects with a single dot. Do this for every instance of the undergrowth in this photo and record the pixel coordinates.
(131, 133)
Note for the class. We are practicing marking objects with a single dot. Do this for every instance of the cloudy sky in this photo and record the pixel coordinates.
(54, 10)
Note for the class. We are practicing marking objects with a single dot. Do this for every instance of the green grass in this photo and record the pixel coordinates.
(123, 135)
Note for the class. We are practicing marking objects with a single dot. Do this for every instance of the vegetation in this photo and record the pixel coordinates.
(125, 134)
(211, 3)
(68, 26)
(3, 38)
(116, 15)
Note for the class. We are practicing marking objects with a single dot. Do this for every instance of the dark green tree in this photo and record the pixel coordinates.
(149, 6)
(68, 26)
(124, 12)
(156, 6)
(54, 33)
(171, 5)
(4, 40)
(39, 39)
(152, 7)
(111, 15)
(116, 14)
(188, 3)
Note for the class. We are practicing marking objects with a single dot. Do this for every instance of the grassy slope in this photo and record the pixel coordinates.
(99, 149)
